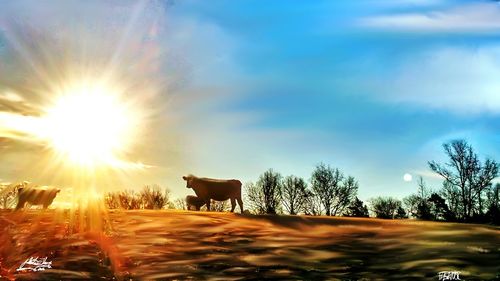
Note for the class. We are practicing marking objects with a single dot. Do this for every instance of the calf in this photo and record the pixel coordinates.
(194, 201)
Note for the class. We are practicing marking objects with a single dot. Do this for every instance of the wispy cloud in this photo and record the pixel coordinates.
(484, 17)
(14, 103)
(461, 80)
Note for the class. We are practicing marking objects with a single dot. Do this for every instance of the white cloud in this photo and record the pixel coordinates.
(407, 3)
(483, 17)
(462, 80)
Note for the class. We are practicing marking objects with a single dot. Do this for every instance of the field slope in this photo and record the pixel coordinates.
(179, 245)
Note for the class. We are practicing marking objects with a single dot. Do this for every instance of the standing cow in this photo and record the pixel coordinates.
(218, 190)
(36, 196)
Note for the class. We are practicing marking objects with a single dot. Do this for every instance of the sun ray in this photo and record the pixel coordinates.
(89, 106)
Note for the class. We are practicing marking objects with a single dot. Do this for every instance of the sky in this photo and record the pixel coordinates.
(229, 89)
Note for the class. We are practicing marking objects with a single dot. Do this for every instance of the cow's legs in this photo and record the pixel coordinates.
(20, 204)
(208, 204)
(240, 202)
(47, 204)
(233, 204)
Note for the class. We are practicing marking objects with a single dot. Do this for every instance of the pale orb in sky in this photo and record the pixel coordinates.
(407, 177)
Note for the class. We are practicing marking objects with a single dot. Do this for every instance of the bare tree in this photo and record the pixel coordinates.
(422, 192)
(493, 196)
(451, 193)
(312, 205)
(264, 197)
(423, 204)
(334, 191)
(294, 194)
(493, 203)
(466, 172)
(325, 182)
(344, 195)
(417, 205)
(255, 198)
(481, 181)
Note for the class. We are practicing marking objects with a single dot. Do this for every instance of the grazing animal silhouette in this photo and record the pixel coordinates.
(218, 190)
(36, 196)
(194, 201)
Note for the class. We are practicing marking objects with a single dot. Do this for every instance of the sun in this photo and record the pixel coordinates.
(89, 124)
(407, 177)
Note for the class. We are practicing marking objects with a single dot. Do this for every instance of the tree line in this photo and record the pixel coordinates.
(467, 193)
(329, 192)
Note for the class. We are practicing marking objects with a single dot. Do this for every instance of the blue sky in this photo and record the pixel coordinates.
(371, 87)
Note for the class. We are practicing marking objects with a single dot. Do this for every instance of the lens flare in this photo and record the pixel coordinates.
(89, 125)
(81, 103)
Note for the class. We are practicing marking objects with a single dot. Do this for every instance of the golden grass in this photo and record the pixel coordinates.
(169, 245)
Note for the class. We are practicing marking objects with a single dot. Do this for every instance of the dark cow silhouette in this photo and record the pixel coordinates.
(194, 201)
(218, 190)
(36, 196)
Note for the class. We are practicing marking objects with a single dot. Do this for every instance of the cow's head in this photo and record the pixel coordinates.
(189, 180)
(54, 191)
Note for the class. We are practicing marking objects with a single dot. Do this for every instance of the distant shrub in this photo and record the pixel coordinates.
(386, 207)
(112, 200)
(150, 197)
(356, 209)
(129, 200)
(493, 214)
(179, 204)
(401, 213)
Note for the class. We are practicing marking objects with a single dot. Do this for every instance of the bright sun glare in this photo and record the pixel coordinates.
(89, 125)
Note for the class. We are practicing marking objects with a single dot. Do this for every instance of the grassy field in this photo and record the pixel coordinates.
(180, 245)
